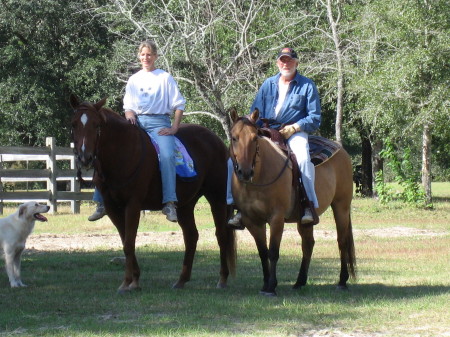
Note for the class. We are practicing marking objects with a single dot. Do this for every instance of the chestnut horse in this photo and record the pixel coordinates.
(263, 192)
(126, 172)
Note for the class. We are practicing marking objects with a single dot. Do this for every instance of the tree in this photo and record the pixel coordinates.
(46, 54)
(219, 51)
(404, 77)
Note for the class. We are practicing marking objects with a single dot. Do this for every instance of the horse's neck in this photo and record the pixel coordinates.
(271, 159)
(119, 143)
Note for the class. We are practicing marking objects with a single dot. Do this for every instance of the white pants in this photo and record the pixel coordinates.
(300, 146)
(298, 143)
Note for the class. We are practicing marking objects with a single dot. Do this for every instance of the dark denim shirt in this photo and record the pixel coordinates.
(301, 105)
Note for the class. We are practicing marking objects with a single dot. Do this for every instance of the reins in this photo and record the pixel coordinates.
(98, 168)
(286, 164)
(135, 172)
(235, 165)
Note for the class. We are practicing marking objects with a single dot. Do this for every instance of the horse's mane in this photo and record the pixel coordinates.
(111, 114)
(246, 121)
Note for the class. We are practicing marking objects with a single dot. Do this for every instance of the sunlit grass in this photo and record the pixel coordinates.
(402, 286)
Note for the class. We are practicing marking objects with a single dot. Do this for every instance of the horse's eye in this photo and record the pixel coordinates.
(234, 139)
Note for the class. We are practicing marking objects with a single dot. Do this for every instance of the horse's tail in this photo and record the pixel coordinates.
(231, 251)
(351, 256)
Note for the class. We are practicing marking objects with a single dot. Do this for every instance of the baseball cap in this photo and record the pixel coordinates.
(287, 52)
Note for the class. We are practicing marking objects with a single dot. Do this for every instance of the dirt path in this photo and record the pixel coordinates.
(86, 242)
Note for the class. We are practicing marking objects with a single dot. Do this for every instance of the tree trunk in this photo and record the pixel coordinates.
(340, 74)
(377, 161)
(366, 163)
(426, 163)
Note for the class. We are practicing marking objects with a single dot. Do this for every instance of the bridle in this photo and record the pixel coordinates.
(97, 165)
(79, 110)
(236, 167)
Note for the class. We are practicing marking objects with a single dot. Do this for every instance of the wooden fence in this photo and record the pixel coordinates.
(50, 154)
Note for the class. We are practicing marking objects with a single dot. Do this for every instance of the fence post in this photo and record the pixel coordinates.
(74, 187)
(1, 185)
(51, 164)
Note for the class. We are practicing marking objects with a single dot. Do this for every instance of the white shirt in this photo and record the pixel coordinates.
(152, 92)
(282, 91)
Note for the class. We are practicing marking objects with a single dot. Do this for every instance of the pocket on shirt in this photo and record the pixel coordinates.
(298, 101)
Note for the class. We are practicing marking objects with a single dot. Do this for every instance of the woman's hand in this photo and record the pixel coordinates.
(130, 116)
(168, 131)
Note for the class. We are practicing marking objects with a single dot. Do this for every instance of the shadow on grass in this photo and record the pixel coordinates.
(74, 293)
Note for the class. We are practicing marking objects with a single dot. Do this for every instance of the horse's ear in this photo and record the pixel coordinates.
(100, 103)
(102, 114)
(254, 115)
(234, 115)
(74, 101)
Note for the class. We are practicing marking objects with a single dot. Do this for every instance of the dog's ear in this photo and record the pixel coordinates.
(22, 209)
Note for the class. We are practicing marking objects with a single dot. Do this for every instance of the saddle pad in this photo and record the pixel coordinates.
(321, 149)
(184, 164)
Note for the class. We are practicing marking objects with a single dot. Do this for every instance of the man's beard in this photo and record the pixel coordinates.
(287, 72)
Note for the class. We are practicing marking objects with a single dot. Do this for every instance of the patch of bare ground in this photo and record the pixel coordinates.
(86, 242)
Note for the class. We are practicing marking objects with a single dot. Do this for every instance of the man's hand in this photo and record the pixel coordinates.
(289, 130)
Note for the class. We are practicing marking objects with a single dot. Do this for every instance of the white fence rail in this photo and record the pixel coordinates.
(50, 154)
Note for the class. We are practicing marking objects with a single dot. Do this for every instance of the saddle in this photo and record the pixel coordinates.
(321, 149)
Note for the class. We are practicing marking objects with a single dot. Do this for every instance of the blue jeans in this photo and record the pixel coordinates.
(152, 124)
(97, 197)
(230, 200)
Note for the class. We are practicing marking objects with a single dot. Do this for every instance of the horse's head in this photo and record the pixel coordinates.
(86, 122)
(244, 144)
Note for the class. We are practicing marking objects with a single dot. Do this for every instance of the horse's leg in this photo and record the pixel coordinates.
(226, 240)
(186, 221)
(117, 216)
(345, 242)
(276, 233)
(127, 222)
(258, 231)
(307, 234)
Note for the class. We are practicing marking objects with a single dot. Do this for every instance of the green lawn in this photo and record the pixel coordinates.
(402, 289)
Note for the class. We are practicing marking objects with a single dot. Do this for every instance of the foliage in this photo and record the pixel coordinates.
(385, 193)
(404, 173)
(394, 61)
(48, 49)
(219, 52)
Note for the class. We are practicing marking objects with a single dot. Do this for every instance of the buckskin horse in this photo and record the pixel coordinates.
(126, 172)
(263, 192)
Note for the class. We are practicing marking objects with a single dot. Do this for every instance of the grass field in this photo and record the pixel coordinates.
(402, 289)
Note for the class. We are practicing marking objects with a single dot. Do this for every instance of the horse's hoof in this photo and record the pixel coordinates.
(118, 260)
(341, 288)
(124, 290)
(221, 285)
(297, 286)
(135, 288)
(268, 293)
(128, 290)
(178, 285)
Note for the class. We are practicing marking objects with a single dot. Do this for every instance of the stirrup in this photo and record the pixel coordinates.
(307, 217)
(235, 221)
(98, 214)
(170, 211)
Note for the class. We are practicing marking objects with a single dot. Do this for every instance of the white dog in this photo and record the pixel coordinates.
(14, 231)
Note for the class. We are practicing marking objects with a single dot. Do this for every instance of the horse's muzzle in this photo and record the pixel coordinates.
(244, 175)
(85, 160)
